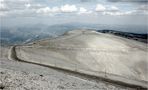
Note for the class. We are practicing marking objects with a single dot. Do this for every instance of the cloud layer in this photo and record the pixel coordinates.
(37, 7)
(132, 1)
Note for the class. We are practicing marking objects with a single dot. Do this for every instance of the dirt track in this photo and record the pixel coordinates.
(14, 57)
(56, 59)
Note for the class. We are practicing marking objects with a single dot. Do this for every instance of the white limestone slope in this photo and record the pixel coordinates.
(91, 52)
(16, 75)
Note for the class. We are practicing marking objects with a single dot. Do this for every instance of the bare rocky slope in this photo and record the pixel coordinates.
(92, 53)
(16, 75)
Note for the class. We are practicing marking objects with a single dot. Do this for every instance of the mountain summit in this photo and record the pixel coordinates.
(91, 52)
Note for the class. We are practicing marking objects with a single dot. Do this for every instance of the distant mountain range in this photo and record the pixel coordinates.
(28, 33)
(134, 36)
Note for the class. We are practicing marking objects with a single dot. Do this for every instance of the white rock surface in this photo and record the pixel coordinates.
(16, 75)
(91, 51)
(24, 76)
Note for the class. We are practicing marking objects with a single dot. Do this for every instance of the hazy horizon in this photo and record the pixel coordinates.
(51, 12)
(27, 20)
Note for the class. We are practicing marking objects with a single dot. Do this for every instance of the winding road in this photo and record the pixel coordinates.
(12, 55)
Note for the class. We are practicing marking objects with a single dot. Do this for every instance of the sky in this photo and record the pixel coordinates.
(112, 12)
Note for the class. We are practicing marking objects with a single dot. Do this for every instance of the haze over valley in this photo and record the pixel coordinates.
(28, 33)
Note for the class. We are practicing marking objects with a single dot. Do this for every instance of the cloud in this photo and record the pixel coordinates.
(3, 6)
(15, 4)
(19, 8)
(107, 10)
(55, 9)
(114, 13)
(68, 8)
(63, 9)
(33, 6)
(113, 8)
(44, 10)
(83, 10)
(100, 8)
(131, 1)
(42, 7)
(27, 5)
(20, 4)
(143, 8)
(48, 11)
(84, 1)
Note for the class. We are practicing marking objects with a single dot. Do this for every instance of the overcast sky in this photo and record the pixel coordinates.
(124, 12)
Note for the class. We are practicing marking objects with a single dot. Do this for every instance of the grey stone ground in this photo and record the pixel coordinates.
(23, 76)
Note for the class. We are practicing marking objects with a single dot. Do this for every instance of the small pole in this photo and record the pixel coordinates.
(75, 67)
(105, 73)
(55, 63)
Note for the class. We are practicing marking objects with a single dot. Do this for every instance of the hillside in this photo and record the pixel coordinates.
(91, 52)
(129, 35)
(22, 76)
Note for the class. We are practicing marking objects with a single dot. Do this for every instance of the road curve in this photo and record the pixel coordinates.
(12, 55)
